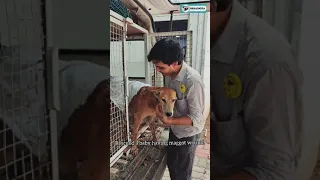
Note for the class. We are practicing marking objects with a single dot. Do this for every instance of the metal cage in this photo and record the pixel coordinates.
(183, 37)
(24, 123)
(119, 124)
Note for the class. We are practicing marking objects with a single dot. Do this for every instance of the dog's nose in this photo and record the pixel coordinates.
(169, 114)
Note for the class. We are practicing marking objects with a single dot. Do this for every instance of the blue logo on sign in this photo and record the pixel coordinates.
(193, 8)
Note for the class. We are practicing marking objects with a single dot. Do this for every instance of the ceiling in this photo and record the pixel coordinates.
(188, 1)
(156, 7)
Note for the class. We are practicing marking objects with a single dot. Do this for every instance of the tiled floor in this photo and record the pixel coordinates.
(201, 167)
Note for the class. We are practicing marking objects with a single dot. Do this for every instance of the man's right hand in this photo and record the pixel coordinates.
(160, 114)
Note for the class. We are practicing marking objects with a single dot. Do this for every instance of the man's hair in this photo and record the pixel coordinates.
(167, 51)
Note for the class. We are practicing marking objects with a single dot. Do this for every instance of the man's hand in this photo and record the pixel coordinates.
(160, 114)
(184, 120)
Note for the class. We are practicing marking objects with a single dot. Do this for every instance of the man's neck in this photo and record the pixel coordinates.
(175, 74)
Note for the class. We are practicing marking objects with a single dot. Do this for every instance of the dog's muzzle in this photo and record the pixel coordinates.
(168, 114)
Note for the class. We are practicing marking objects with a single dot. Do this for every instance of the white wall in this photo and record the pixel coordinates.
(136, 58)
(199, 24)
(77, 25)
(310, 65)
(196, 25)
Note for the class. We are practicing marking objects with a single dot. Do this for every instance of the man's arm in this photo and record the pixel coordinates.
(273, 115)
(184, 120)
(195, 99)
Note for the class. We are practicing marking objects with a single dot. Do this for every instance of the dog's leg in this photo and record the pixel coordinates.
(158, 123)
(153, 128)
(136, 124)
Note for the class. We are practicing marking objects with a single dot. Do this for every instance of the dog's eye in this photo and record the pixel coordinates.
(173, 100)
(163, 100)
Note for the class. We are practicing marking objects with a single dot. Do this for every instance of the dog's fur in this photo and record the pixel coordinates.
(85, 139)
(142, 109)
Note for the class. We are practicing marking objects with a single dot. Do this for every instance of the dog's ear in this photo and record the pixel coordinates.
(156, 93)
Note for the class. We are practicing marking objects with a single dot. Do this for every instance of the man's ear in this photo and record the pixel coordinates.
(174, 64)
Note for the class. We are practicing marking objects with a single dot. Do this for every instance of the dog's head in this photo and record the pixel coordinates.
(167, 98)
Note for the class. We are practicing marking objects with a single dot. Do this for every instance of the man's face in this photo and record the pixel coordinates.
(164, 69)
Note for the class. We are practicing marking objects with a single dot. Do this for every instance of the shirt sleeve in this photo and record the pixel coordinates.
(195, 98)
(273, 116)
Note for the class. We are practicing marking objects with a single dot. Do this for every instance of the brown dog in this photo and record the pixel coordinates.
(142, 109)
(86, 138)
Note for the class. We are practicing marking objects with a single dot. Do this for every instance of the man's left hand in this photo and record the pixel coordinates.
(160, 114)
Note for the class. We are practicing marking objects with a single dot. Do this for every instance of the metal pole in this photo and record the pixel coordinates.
(171, 20)
(52, 85)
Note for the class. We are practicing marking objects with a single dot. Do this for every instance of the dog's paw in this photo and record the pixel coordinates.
(134, 151)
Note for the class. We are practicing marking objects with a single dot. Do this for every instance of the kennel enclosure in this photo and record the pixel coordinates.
(119, 124)
(25, 134)
(122, 31)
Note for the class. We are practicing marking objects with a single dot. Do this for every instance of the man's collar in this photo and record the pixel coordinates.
(181, 73)
(225, 48)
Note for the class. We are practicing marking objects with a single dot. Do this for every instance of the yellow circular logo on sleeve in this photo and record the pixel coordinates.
(232, 86)
(182, 88)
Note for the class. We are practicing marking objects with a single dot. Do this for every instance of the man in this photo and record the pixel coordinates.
(188, 119)
(256, 115)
